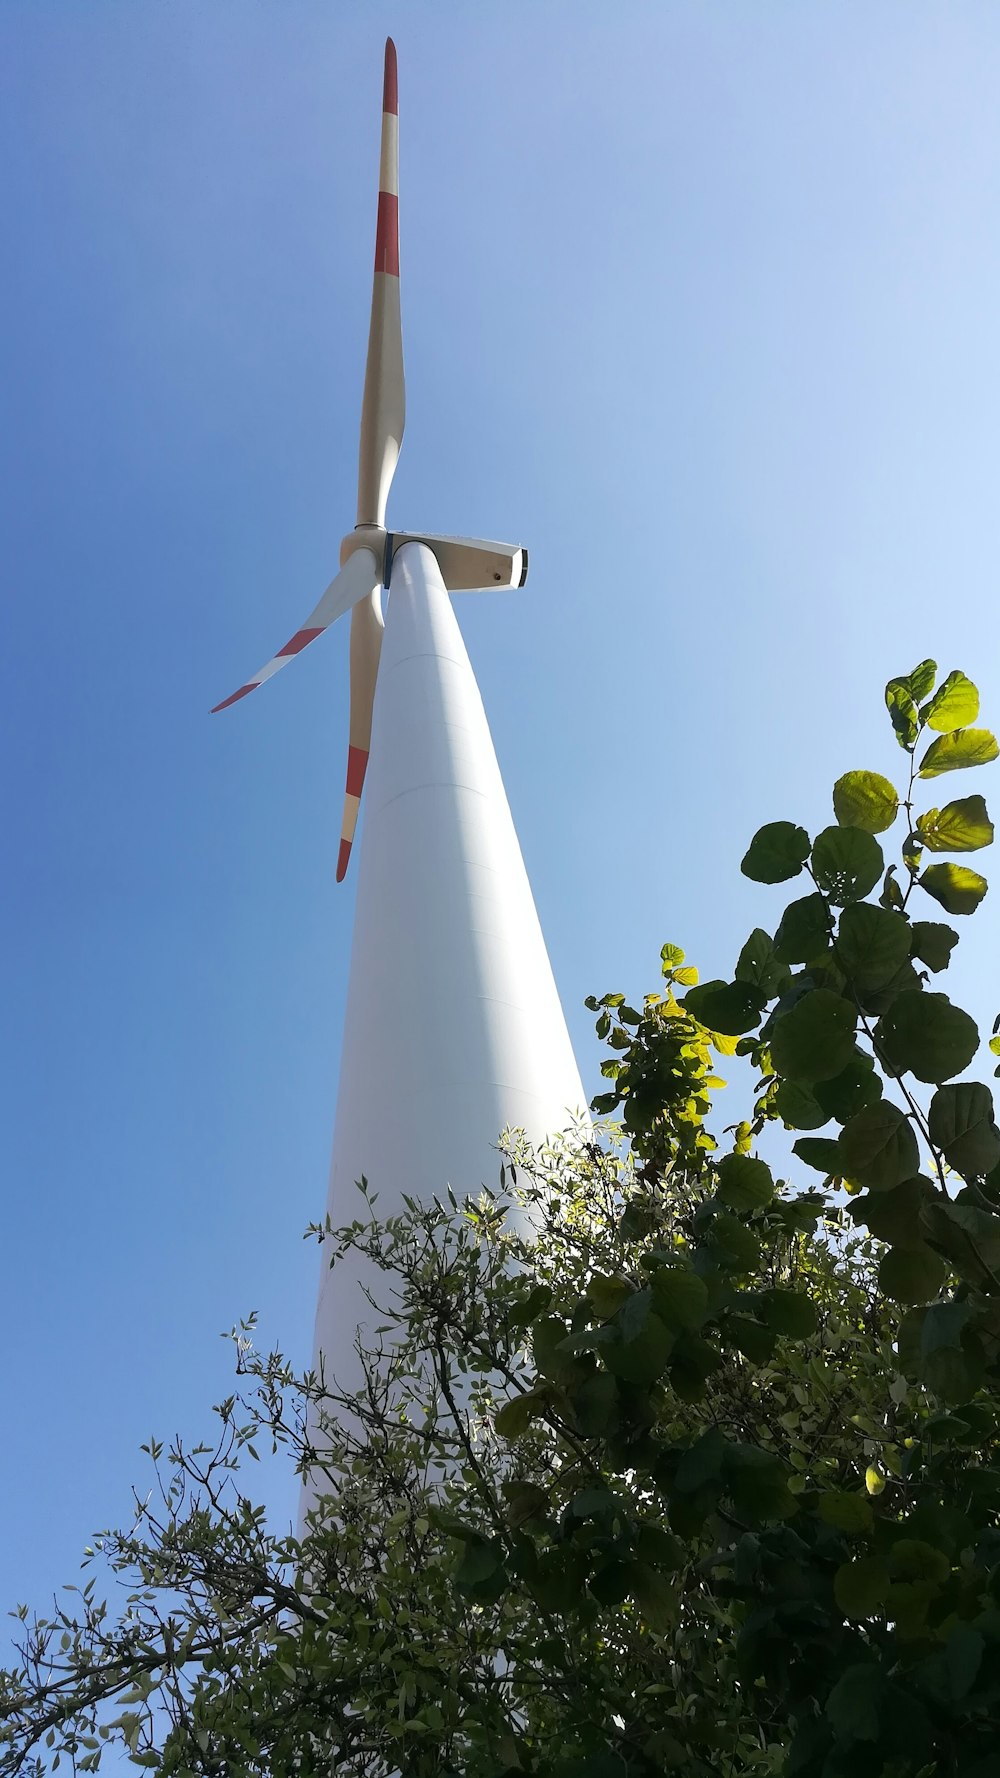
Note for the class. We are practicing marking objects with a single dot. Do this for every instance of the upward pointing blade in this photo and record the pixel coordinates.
(384, 405)
(358, 577)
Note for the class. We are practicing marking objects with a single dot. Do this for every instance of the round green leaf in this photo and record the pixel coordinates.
(865, 800)
(643, 1357)
(776, 852)
(961, 1125)
(925, 1035)
(879, 1147)
(788, 1312)
(955, 886)
(954, 705)
(804, 931)
(681, 1297)
(932, 943)
(911, 1274)
(739, 1246)
(798, 1108)
(820, 1152)
(814, 1039)
(860, 1589)
(745, 1183)
(872, 944)
(846, 1512)
(850, 1091)
(727, 1007)
(847, 863)
(961, 826)
(894, 1216)
(966, 747)
(759, 965)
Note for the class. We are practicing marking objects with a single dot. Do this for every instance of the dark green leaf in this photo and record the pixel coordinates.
(681, 1297)
(727, 1007)
(950, 753)
(804, 930)
(932, 942)
(757, 1482)
(745, 1183)
(879, 1147)
(955, 886)
(759, 966)
(850, 1091)
(860, 1589)
(776, 852)
(902, 712)
(961, 1125)
(865, 800)
(702, 1463)
(961, 826)
(740, 1248)
(954, 705)
(872, 944)
(798, 1108)
(911, 1274)
(846, 1512)
(788, 1312)
(749, 1338)
(814, 1040)
(969, 1237)
(642, 1355)
(820, 1152)
(894, 1215)
(847, 863)
(925, 1035)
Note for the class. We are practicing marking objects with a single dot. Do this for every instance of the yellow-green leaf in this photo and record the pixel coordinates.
(966, 747)
(955, 886)
(954, 705)
(865, 800)
(961, 826)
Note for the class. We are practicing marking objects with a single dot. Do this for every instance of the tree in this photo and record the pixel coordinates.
(703, 1478)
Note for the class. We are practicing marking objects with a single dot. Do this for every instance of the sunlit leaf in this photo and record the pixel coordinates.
(955, 886)
(951, 753)
(865, 800)
(954, 705)
(961, 826)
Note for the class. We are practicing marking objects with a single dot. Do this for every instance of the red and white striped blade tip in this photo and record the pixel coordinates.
(295, 645)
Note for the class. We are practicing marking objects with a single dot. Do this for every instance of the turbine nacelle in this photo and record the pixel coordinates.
(366, 554)
(467, 564)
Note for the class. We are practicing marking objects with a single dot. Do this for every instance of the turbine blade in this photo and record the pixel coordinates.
(367, 625)
(357, 578)
(384, 404)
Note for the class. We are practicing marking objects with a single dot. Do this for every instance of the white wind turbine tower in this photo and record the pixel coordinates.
(453, 1028)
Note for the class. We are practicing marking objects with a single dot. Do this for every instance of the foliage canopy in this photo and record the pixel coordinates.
(702, 1477)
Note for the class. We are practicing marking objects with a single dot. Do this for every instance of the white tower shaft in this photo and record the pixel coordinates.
(453, 1028)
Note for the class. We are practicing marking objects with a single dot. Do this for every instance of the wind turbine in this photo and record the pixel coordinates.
(453, 1029)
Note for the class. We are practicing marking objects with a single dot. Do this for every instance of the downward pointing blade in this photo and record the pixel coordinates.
(367, 625)
(384, 405)
(357, 579)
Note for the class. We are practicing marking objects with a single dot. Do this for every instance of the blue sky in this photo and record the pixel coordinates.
(701, 301)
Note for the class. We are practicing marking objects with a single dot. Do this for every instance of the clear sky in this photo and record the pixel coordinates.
(702, 301)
